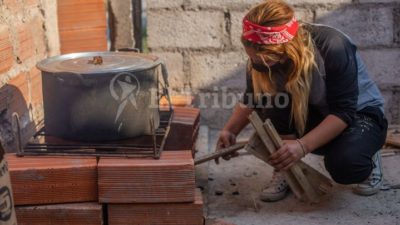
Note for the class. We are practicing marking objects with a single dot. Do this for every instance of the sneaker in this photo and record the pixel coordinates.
(374, 182)
(277, 190)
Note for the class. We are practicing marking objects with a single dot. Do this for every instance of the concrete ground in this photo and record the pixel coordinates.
(231, 191)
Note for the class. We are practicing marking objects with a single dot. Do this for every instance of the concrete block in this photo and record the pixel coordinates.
(378, 1)
(223, 4)
(6, 50)
(396, 31)
(305, 15)
(388, 96)
(181, 29)
(383, 65)
(174, 61)
(366, 26)
(216, 106)
(159, 4)
(218, 70)
(237, 28)
(120, 15)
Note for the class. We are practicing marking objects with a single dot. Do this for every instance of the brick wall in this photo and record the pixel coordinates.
(28, 34)
(200, 40)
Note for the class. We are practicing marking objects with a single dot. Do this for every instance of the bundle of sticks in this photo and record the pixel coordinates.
(306, 183)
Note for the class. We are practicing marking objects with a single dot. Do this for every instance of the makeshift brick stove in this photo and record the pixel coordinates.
(92, 188)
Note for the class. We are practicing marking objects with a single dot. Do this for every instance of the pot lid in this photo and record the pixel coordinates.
(98, 62)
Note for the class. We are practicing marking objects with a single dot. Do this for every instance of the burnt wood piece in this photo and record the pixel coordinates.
(168, 179)
(75, 213)
(51, 180)
(158, 213)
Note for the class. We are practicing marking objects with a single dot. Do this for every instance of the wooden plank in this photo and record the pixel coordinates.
(270, 147)
(393, 142)
(295, 169)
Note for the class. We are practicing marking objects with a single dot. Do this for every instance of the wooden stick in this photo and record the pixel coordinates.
(220, 152)
(392, 142)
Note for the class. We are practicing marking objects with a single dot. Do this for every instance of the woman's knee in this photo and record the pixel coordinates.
(348, 170)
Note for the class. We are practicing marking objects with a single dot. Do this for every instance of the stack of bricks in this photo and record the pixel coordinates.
(42, 186)
(82, 25)
(137, 191)
(157, 192)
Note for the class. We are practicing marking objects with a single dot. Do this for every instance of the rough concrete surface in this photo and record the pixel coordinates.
(247, 176)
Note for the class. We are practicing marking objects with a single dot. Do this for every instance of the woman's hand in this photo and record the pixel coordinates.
(290, 152)
(226, 139)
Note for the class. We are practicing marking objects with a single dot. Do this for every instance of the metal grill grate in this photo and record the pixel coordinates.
(141, 146)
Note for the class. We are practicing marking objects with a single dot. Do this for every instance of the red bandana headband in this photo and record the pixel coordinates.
(269, 35)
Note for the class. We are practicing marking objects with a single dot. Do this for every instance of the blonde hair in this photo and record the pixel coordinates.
(300, 52)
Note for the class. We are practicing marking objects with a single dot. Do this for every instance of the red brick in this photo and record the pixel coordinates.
(146, 180)
(74, 14)
(157, 214)
(6, 50)
(77, 214)
(82, 25)
(51, 180)
(83, 40)
(184, 126)
(26, 47)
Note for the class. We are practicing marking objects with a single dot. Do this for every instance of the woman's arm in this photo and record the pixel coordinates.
(236, 123)
(239, 119)
(322, 134)
(293, 150)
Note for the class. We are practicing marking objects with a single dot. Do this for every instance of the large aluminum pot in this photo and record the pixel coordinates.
(96, 96)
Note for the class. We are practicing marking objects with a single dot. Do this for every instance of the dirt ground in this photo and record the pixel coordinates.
(231, 193)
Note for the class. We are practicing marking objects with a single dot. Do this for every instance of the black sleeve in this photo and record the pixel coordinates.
(341, 77)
